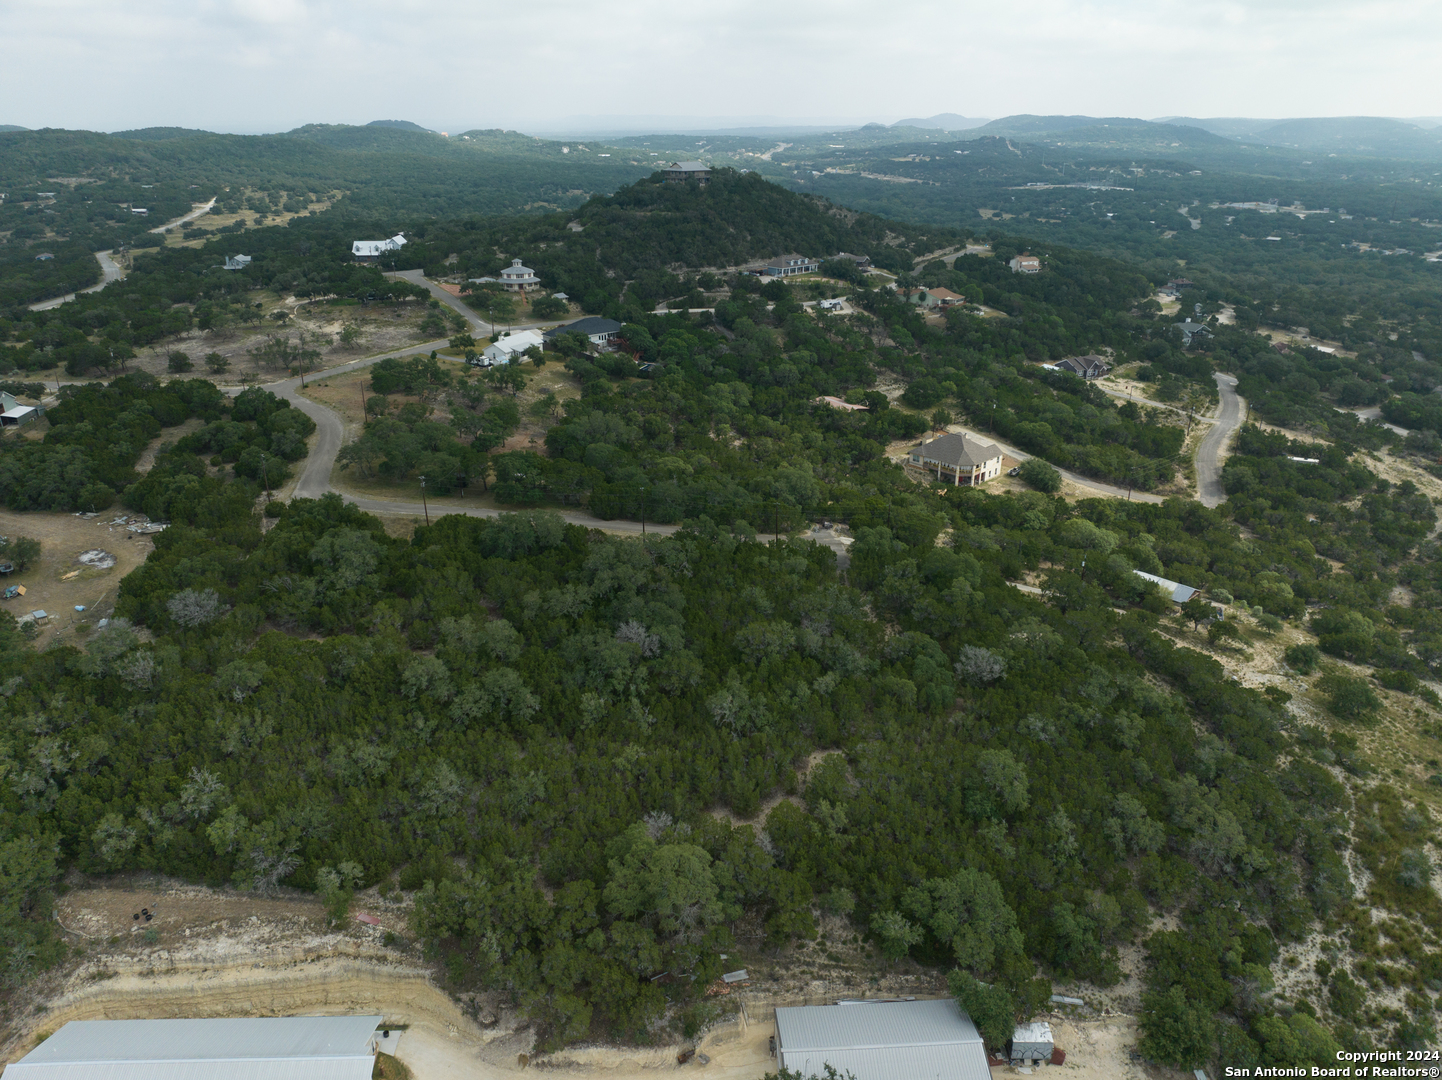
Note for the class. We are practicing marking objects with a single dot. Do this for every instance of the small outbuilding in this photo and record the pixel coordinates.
(881, 1040)
(251, 1048)
(1031, 1044)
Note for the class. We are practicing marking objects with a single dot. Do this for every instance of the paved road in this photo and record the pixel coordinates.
(197, 212)
(1211, 450)
(479, 327)
(110, 271)
(1375, 413)
(1075, 478)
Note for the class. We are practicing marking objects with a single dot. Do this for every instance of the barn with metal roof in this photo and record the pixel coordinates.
(258, 1048)
(882, 1040)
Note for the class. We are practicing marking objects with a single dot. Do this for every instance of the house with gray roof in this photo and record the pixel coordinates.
(1193, 332)
(518, 278)
(686, 170)
(600, 332)
(960, 458)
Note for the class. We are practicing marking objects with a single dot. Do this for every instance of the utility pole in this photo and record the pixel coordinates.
(265, 475)
(363, 402)
(424, 507)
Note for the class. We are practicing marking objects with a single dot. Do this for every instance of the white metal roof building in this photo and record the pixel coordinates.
(262, 1048)
(371, 249)
(509, 346)
(1175, 589)
(882, 1040)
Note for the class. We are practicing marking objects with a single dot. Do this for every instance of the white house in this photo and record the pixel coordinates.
(509, 347)
(1025, 264)
(518, 278)
(969, 460)
(599, 332)
(374, 249)
(237, 262)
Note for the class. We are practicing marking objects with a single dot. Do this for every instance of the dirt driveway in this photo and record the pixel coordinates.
(59, 581)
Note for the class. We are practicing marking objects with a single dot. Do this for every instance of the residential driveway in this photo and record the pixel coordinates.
(1081, 481)
(1213, 447)
(479, 327)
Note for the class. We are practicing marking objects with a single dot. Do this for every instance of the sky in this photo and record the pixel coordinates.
(254, 66)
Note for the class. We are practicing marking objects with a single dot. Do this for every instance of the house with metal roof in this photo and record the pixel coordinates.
(508, 348)
(237, 262)
(881, 1040)
(251, 1048)
(518, 278)
(960, 458)
(374, 249)
(686, 170)
(788, 265)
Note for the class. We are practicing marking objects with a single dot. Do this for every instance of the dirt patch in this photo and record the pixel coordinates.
(96, 558)
(59, 580)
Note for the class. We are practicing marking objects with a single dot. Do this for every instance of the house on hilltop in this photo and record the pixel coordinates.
(964, 459)
(789, 265)
(1025, 264)
(374, 249)
(686, 170)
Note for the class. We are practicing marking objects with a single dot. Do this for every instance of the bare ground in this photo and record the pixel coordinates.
(57, 582)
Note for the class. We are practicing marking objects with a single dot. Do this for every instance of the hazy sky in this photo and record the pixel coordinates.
(270, 65)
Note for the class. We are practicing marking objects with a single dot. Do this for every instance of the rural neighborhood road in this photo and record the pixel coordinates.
(1210, 492)
(200, 208)
(315, 476)
(109, 268)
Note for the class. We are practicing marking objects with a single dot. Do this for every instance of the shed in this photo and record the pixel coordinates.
(20, 414)
(1175, 589)
(1032, 1043)
(881, 1040)
(256, 1048)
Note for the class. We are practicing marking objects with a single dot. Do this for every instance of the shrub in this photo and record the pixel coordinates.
(178, 363)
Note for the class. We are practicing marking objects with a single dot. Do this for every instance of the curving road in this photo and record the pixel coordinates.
(1212, 449)
(110, 271)
(315, 476)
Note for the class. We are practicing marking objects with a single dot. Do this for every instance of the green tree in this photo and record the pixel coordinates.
(217, 363)
(1040, 475)
(968, 913)
(177, 362)
(1174, 1031)
(991, 1008)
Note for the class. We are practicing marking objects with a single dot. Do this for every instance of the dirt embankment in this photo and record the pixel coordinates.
(217, 952)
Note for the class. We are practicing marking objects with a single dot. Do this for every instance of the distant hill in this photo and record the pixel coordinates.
(12, 127)
(1372, 135)
(404, 125)
(1029, 124)
(1231, 127)
(948, 121)
(160, 134)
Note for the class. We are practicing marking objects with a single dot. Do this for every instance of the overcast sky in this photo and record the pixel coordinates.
(271, 65)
